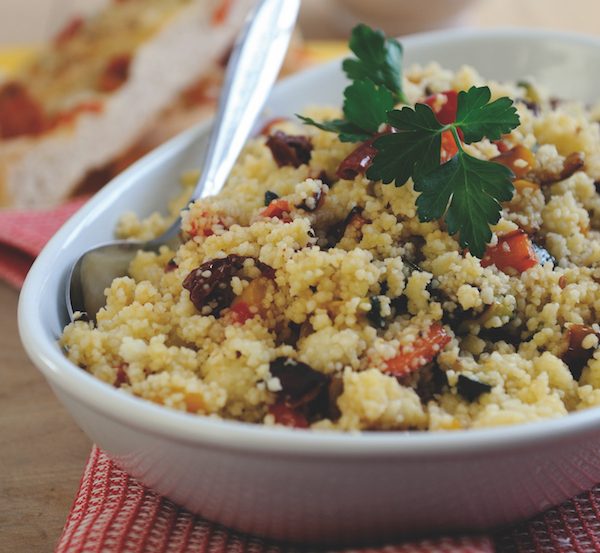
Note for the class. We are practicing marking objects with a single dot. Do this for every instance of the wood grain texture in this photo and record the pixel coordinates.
(42, 451)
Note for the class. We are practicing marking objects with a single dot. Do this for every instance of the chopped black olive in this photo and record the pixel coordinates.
(471, 389)
(270, 196)
(374, 316)
(302, 388)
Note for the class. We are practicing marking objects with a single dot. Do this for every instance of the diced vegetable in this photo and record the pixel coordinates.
(304, 393)
(444, 106)
(520, 160)
(252, 297)
(513, 251)
(521, 185)
(279, 209)
(289, 150)
(357, 162)
(209, 284)
(287, 416)
(418, 354)
(470, 389)
(353, 219)
(577, 356)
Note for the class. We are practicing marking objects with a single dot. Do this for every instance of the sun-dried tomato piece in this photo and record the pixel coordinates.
(20, 114)
(286, 416)
(210, 283)
(357, 161)
(292, 150)
(115, 73)
(576, 356)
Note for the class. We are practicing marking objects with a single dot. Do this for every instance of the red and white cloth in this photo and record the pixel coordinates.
(114, 513)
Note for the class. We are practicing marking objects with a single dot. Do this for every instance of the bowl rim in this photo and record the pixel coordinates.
(148, 417)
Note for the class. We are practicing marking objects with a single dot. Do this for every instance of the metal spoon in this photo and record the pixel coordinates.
(253, 67)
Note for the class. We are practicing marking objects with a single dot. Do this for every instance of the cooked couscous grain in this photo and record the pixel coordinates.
(331, 305)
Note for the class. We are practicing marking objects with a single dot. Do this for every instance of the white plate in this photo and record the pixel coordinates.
(311, 486)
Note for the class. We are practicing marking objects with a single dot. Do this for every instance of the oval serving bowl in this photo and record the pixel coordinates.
(317, 486)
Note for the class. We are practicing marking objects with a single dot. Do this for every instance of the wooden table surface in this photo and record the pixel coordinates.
(42, 451)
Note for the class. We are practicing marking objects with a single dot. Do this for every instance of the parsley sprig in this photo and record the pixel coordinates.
(465, 191)
(376, 75)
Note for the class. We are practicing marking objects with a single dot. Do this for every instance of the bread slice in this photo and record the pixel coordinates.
(96, 114)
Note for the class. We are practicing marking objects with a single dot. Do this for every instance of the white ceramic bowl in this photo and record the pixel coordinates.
(312, 486)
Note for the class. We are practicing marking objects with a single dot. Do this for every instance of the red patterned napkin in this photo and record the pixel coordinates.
(114, 513)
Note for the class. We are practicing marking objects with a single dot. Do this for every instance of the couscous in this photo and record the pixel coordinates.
(302, 298)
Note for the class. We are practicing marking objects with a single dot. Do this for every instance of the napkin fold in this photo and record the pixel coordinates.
(113, 512)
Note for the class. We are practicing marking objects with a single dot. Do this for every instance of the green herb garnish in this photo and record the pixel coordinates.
(376, 75)
(466, 191)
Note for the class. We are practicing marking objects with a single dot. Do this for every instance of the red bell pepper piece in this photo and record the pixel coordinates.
(513, 250)
(418, 354)
(445, 114)
(278, 208)
(287, 416)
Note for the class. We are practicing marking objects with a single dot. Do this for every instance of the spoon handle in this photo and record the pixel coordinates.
(253, 67)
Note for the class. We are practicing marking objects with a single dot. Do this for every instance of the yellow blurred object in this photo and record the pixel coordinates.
(11, 58)
(324, 50)
(317, 51)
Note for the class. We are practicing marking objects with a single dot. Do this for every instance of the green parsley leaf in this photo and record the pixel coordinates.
(468, 192)
(413, 150)
(365, 108)
(347, 131)
(478, 118)
(379, 59)
(376, 86)
(366, 105)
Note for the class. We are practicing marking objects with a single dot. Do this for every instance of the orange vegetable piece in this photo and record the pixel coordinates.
(449, 148)
(522, 184)
(287, 416)
(520, 160)
(278, 208)
(418, 354)
(194, 402)
(514, 250)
